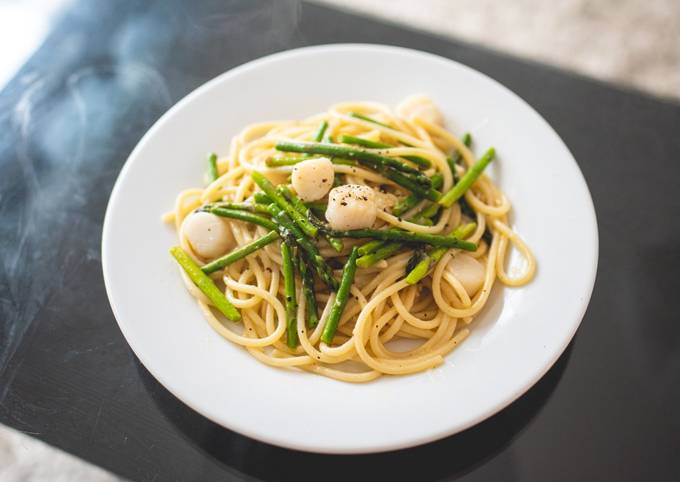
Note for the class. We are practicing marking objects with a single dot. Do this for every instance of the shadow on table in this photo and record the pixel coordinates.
(445, 459)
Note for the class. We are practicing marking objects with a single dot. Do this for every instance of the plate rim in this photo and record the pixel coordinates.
(403, 443)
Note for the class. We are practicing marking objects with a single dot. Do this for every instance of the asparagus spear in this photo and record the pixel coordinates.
(292, 160)
(406, 237)
(205, 284)
(317, 207)
(356, 115)
(381, 253)
(243, 216)
(308, 292)
(288, 227)
(262, 198)
(212, 167)
(289, 293)
(420, 186)
(307, 227)
(370, 247)
(360, 155)
(338, 307)
(426, 214)
(468, 179)
(240, 253)
(410, 201)
(305, 211)
(283, 161)
(321, 131)
(250, 207)
(358, 141)
(422, 268)
(456, 157)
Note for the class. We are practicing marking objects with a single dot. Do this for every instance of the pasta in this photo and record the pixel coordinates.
(356, 243)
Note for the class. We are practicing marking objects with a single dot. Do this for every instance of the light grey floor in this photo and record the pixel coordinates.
(631, 42)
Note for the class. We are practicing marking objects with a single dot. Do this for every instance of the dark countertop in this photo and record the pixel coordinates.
(606, 411)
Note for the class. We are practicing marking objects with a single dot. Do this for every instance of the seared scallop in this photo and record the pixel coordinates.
(313, 178)
(351, 206)
(208, 235)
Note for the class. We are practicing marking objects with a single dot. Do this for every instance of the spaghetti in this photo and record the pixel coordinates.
(419, 273)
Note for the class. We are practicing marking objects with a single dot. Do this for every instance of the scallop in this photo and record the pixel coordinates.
(351, 206)
(468, 271)
(208, 235)
(313, 178)
(420, 106)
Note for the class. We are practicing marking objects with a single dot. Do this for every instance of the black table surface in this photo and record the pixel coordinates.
(608, 409)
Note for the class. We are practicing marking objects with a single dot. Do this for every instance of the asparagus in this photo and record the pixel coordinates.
(292, 160)
(361, 155)
(456, 157)
(317, 207)
(283, 161)
(321, 131)
(243, 216)
(356, 115)
(205, 284)
(240, 253)
(212, 168)
(289, 293)
(262, 198)
(426, 214)
(341, 298)
(381, 253)
(406, 237)
(307, 227)
(422, 268)
(288, 228)
(305, 211)
(358, 141)
(250, 207)
(420, 185)
(370, 247)
(410, 201)
(468, 179)
(408, 183)
(308, 292)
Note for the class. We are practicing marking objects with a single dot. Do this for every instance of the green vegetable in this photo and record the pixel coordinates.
(243, 216)
(212, 168)
(456, 157)
(370, 247)
(288, 228)
(468, 179)
(205, 284)
(240, 253)
(381, 253)
(358, 141)
(407, 237)
(283, 161)
(289, 293)
(321, 131)
(261, 198)
(340, 302)
(423, 267)
(308, 292)
(250, 207)
(426, 214)
(307, 227)
(360, 155)
(410, 201)
(356, 115)
(305, 211)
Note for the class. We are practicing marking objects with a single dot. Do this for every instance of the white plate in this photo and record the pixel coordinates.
(516, 339)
